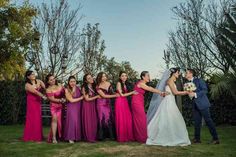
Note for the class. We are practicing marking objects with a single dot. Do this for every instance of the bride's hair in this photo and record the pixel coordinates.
(174, 70)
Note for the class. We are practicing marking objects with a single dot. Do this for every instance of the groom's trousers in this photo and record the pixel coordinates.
(198, 115)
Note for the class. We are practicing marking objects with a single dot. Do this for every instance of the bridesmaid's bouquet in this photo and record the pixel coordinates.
(190, 87)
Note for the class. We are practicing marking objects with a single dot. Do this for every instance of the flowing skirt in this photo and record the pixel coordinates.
(33, 130)
(73, 130)
(167, 128)
(89, 121)
(123, 120)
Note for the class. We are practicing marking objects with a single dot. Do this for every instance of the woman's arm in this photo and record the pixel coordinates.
(70, 98)
(51, 97)
(119, 89)
(86, 96)
(31, 89)
(41, 84)
(150, 89)
(171, 84)
(102, 94)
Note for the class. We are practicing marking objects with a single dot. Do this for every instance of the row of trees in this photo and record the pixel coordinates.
(48, 39)
(205, 39)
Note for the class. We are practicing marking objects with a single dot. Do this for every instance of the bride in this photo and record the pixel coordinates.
(166, 126)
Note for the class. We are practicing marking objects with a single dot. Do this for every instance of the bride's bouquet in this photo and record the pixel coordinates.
(190, 87)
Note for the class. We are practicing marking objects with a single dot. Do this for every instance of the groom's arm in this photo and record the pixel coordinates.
(203, 89)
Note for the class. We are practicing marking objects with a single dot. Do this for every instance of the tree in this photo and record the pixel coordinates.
(226, 39)
(207, 18)
(16, 34)
(222, 83)
(58, 49)
(112, 68)
(92, 48)
(185, 49)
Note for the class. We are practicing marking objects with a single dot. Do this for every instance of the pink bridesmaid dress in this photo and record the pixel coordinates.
(123, 120)
(89, 119)
(56, 110)
(33, 130)
(139, 115)
(73, 126)
(105, 116)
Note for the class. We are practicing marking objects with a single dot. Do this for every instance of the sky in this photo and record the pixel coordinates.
(133, 30)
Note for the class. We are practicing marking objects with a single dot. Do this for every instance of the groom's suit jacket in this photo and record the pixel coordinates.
(201, 99)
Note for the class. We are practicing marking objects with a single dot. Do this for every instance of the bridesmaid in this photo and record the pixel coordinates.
(137, 107)
(105, 117)
(33, 130)
(89, 113)
(123, 118)
(55, 94)
(73, 130)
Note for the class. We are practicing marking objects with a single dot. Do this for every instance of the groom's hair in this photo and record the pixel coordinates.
(192, 71)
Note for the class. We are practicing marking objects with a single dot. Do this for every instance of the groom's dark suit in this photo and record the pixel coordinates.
(201, 106)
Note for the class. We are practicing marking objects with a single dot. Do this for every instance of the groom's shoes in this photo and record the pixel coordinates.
(215, 142)
(195, 141)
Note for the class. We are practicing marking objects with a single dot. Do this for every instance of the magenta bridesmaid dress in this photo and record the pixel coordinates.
(139, 115)
(33, 130)
(89, 119)
(105, 117)
(123, 120)
(56, 110)
(73, 130)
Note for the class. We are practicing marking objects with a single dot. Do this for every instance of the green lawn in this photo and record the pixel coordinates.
(10, 145)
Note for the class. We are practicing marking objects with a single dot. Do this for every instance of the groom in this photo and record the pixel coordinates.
(201, 107)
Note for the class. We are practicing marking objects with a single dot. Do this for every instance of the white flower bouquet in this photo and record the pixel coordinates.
(190, 87)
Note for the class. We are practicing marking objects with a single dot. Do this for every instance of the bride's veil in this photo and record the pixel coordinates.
(156, 98)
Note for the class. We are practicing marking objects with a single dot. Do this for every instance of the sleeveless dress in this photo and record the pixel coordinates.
(73, 126)
(33, 130)
(56, 110)
(139, 115)
(123, 120)
(89, 118)
(105, 116)
(167, 128)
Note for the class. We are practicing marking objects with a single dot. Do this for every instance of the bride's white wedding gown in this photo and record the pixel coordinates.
(167, 128)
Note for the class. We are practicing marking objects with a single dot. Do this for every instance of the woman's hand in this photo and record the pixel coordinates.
(117, 95)
(134, 92)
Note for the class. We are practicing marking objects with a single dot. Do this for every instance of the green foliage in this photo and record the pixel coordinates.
(92, 49)
(113, 68)
(16, 34)
(12, 102)
(223, 84)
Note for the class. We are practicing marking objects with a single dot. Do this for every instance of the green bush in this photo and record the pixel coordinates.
(12, 102)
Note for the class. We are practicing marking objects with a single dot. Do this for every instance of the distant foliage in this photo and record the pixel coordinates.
(12, 102)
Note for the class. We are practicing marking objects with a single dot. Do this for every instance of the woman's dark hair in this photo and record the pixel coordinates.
(27, 74)
(192, 71)
(68, 85)
(85, 84)
(127, 84)
(99, 78)
(174, 70)
(143, 73)
(47, 79)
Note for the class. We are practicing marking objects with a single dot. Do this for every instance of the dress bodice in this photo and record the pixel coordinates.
(138, 89)
(167, 89)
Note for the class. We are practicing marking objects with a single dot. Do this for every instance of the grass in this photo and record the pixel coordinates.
(11, 146)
